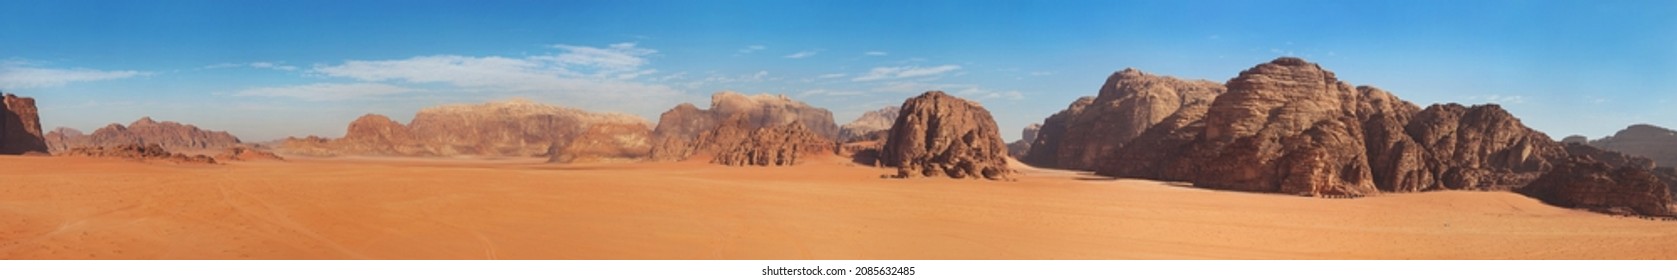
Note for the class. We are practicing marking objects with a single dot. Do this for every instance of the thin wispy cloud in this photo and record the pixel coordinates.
(875, 53)
(803, 54)
(326, 91)
(254, 65)
(1500, 99)
(582, 75)
(832, 76)
(23, 75)
(886, 73)
(752, 49)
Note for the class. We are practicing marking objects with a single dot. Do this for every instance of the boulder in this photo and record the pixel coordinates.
(939, 135)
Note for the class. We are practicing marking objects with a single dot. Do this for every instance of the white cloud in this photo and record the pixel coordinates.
(620, 57)
(882, 73)
(752, 49)
(876, 53)
(1500, 99)
(832, 76)
(803, 54)
(326, 91)
(257, 65)
(593, 77)
(969, 91)
(21, 75)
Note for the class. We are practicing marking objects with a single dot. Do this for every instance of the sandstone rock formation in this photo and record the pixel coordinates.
(1289, 126)
(1583, 182)
(1045, 151)
(1580, 139)
(516, 128)
(246, 154)
(868, 123)
(20, 126)
(151, 151)
(609, 142)
(1017, 149)
(1129, 103)
(686, 131)
(941, 135)
(788, 144)
(1653, 142)
(170, 135)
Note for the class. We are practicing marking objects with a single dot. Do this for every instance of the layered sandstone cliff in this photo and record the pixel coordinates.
(20, 126)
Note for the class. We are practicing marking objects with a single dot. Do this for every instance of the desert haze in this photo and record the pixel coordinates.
(407, 208)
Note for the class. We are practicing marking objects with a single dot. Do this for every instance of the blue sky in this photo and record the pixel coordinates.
(270, 69)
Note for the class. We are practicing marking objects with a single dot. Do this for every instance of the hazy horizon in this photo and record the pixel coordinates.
(269, 70)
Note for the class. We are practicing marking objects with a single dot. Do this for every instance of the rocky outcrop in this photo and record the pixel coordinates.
(868, 123)
(1288, 126)
(246, 154)
(788, 144)
(612, 142)
(516, 128)
(686, 131)
(941, 135)
(1583, 182)
(1128, 104)
(1045, 150)
(1017, 149)
(169, 135)
(1654, 142)
(1580, 139)
(20, 126)
(137, 152)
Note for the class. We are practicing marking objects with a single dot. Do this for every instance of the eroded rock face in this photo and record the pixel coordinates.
(1045, 150)
(1654, 142)
(20, 126)
(1129, 103)
(1017, 149)
(788, 144)
(138, 152)
(516, 128)
(686, 131)
(1289, 126)
(170, 135)
(1583, 182)
(868, 123)
(941, 135)
(610, 142)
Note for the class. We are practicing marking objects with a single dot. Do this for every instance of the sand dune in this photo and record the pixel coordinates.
(354, 208)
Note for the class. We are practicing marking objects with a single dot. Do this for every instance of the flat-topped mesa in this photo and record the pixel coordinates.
(515, 128)
(1129, 103)
(169, 135)
(20, 126)
(679, 131)
(940, 135)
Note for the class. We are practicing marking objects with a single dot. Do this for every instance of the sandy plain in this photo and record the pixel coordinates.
(380, 208)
